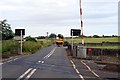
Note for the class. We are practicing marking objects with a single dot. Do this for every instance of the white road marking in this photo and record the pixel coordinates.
(90, 69)
(31, 73)
(28, 73)
(10, 60)
(77, 70)
(1, 63)
(95, 74)
(24, 73)
(48, 55)
(81, 77)
(42, 62)
(39, 61)
(15, 59)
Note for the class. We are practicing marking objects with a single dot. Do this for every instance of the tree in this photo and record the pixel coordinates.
(5, 30)
(41, 37)
(96, 36)
(29, 38)
(52, 35)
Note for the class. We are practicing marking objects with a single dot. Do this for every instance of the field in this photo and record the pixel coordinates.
(8, 45)
(97, 40)
(105, 47)
(94, 40)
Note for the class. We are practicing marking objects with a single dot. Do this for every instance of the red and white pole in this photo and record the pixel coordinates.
(81, 23)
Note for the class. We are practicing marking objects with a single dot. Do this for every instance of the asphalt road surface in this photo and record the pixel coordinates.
(52, 62)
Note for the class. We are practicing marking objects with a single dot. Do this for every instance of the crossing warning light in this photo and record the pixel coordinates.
(89, 49)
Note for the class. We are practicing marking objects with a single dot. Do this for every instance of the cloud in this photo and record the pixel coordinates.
(58, 15)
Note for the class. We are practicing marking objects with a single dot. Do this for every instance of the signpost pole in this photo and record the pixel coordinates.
(21, 43)
(72, 39)
(47, 36)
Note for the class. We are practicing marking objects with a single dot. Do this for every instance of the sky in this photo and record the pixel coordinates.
(37, 17)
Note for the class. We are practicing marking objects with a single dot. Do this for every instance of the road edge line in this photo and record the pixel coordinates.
(90, 69)
(77, 70)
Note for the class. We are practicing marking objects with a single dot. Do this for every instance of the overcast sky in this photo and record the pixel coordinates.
(59, 16)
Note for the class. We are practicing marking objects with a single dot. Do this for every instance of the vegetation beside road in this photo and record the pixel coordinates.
(97, 40)
(32, 47)
(94, 40)
(12, 46)
(105, 47)
(8, 45)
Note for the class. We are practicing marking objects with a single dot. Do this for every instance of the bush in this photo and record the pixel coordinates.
(30, 46)
(96, 36)
(11, 46)
(8, 46)
(30, 39)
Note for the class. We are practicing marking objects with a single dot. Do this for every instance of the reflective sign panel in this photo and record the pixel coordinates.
(75, 32)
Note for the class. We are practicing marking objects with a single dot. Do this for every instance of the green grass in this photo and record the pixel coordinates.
(32, 47)
(11, 46)
(105, 47)
(94, 40)
(0, 46)
(8, 46)
(97, 40)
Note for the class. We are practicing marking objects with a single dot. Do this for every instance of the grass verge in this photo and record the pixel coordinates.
(13, 47)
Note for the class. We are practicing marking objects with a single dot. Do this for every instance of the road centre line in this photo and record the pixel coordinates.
(42, 62)
(27, 73)
(24, 73)
(39, 61)
(31, 73)
(48, 55)
(90, 69)
(76, 70)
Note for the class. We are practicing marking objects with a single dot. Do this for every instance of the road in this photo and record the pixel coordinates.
(52, 62)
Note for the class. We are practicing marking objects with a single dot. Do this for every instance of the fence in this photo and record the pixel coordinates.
(91, 52)
(98, 51)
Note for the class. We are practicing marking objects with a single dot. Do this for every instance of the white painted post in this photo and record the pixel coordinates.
(21, 43)
(47, 37)
(72, 39)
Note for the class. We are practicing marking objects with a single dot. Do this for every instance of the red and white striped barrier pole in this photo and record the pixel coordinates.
(81, 22)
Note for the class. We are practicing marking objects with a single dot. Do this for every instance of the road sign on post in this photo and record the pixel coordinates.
(75, 32)
(20, 33)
